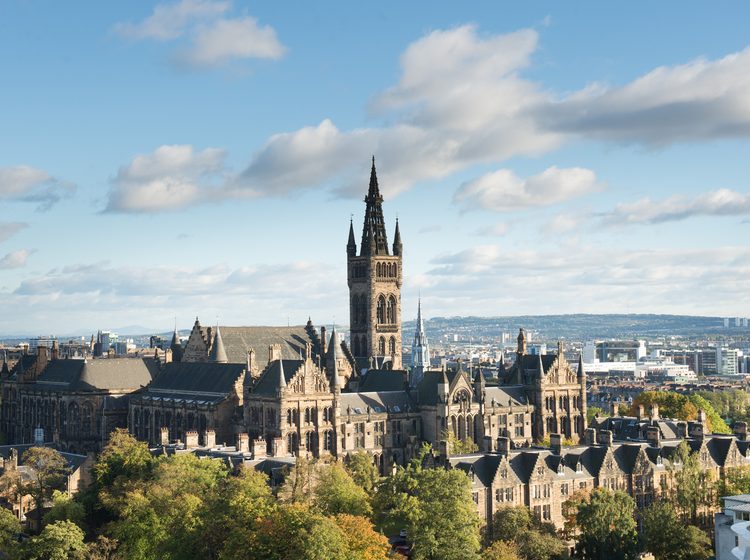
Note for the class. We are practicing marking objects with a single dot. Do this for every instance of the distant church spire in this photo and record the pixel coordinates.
(351, 246)
(374, 239)
(397, 245)
(420, 350)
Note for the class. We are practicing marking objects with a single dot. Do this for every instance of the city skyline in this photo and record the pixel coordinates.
(204, 158)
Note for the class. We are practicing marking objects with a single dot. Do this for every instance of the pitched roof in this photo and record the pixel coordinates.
(110, 374)
(380, 401)
(269, 382)
(209, 378)
(238, 340)
(382, 380)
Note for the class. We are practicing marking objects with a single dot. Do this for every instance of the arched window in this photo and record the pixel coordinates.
(328, 440)
(355, 346)
(87, 418)
(391, 313)
(392, 346)
(363, 309)
(74, 420)
(378, 270)
(381, 346)
(290, 416)
(363, 345)
(381, 309)
(355, 309)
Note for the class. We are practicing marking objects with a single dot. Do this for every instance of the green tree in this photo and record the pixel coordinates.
(716, 423)
(64, 508)
(336, 492)
(103, 548)
(607, 527)
(501, 550)
(735, 481)
(299, 482)
(693, 485)
(459, 446)
(667, 538)
(436, 508)
(592, 412)
(363, 470)
(531, 539)
(123, 458)
(48, 472)
(61, 540)
(10, 530)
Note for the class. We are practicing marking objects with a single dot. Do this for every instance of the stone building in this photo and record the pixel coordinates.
(75, 403)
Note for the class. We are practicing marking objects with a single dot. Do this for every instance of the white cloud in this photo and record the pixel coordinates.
(229, 39)
(563, 223)
(15, 259)
(29, 184)
(496, 230)
(169, 178)
(211, 38)
(504, 191)
(169, 21)
(9, 229)
(489, 280)
(721, 202)
(700, 100)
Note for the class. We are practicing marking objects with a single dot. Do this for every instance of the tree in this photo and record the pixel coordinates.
(531, 539)
(61, 540)
(459, 446)
(592, 412)
(681, 407)
(693, 484)
(10, 529)
(294, 532)
(363, 541)
(102, 548)
(299, 482)
(124, 457)
(501, 550)
(667, 538)
(436, 508)
(607, 527)
(735, 481)
(66, 508)
(363, 470)
(336, 492)
(48, 471)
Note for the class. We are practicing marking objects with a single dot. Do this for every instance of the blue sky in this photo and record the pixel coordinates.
(203, 158)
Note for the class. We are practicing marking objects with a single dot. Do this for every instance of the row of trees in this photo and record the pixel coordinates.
(185, 507)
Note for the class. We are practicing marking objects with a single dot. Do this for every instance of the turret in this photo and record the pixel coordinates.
(521, 342)
(218, 353)
(176, 347)
(351, 246)
(398, 247)
(479, 385)
(281, 381)
(335, 379)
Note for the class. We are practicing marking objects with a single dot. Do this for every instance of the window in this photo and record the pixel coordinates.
(475, 496)
(547, 512)
(381, 346)
(379, 429)
(564, 489)
(538, 512)
(328, 440)
(519, 431)
(381, 310)
(359, 435)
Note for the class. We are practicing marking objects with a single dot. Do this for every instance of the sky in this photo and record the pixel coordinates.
(162, 161)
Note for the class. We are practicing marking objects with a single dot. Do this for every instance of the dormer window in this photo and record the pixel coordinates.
(579, 467)
(561, 468)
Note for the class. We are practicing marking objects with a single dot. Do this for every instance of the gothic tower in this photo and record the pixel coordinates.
(375, 287)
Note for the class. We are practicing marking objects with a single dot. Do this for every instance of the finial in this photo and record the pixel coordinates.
(373, 160)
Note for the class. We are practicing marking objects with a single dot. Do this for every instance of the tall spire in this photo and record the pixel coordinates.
(282, 376)
(398, 247)
(351, 246)
(581, 373)
(374, 239)
(218, 353)
(335, 379)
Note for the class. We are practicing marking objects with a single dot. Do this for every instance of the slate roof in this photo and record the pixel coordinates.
(383, 380)
(181, 380)
(268, 383)
(238, 340)
(382, 401)
(506, 395)
(74, 460)
(111, 374)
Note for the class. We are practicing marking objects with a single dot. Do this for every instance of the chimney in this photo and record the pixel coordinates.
(614, 408)
(740, 430)
(653, 436)
(555, 443)
(258, 448)
(682, 429)
(55, 350)
(641, 412)
(243, 442)
(164, 440)
(606, 438)
(274, 352)
(252, 366)
(503, 445)
(697, 429)
(191, 439)
(654, 411)
(209, 438)
(12, 462)
(589, 437)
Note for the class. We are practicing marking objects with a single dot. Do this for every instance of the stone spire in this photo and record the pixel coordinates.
(420, 349)
(521, 342)
(374, 239)
(351, 246)
(218, 354)
(541, 366)
(581, 373)
(335, 379)
(282, 376)
(175, 346)
(398, 247)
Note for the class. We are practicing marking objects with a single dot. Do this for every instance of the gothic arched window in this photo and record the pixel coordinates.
(378, 270)
(381, 346)
(392, 346)
(355, 346)
(391, 312)
(381, 309)
(355, 309)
